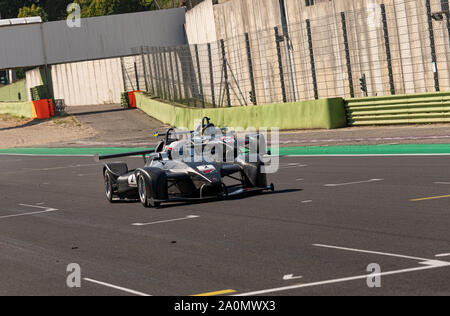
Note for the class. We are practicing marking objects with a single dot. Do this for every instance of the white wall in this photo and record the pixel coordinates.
(200, 24)
(89, 82)
(33, 79)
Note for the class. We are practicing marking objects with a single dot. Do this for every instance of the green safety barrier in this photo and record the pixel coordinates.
(19, 109)
(14, 92)
(315, 114)
(399, 109)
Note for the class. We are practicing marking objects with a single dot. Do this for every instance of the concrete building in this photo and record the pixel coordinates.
(324, 47)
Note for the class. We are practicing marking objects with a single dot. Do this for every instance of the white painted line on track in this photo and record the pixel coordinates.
(307, 201)
(351, 183)
(289, 277)
(119, 288)
(167, 221)
(429, 265)
(65, 167)
(292, 166)
(342, 280)
(443, 255)
(46, 210)
(443, 183)
(87, 174)
(371, 252)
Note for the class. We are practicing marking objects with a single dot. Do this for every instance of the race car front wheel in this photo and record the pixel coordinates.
(145, 195)
(108, 187)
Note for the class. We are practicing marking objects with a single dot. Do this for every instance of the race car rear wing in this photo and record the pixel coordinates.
(143, 153)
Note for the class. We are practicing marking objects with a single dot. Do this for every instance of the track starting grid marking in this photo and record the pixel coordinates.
(42, 208)
(424, 264)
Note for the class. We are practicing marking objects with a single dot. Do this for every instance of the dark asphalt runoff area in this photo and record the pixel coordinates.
(330, 219)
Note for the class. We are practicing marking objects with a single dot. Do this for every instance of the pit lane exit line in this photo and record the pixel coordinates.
(167, 221)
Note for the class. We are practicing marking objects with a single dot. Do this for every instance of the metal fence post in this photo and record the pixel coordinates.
(211, 75)
(161, 72)
(174, 87)
(279, 39)
(124, 75)
(177, 69)
(199, 70)
(150, 73)
(157, 75)
(225, 71)
(250, 69)
(313, 63)
(347, 55)
(433, 46)
(137, 76)
(166, 74)
(145, 71)
(388, 49)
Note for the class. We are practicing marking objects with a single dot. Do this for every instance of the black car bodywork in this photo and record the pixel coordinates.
(163, 179)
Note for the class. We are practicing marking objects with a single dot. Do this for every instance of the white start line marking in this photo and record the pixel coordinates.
(45, 210)
(167, 221)
(119, 288)
(427, 264)
(350, 183)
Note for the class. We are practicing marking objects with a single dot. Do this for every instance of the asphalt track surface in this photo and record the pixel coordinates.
(316, 235)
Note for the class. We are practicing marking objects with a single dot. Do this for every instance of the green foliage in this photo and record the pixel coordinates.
(33, 10)
(54, 10)
(90, 8)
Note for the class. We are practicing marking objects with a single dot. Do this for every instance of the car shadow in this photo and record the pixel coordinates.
(74, 113)
(231, 198)
(209, 200)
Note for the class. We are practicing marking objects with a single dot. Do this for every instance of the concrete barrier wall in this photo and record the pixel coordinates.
(19, 109)
(401, 109)
(11, 92)
(326, 113)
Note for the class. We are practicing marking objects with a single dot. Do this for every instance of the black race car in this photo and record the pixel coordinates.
(164, 179)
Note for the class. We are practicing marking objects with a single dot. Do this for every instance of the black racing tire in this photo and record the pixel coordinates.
(145, 194)
(108, 187)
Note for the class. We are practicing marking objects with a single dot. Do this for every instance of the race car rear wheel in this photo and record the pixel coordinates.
(144, 190)
(108, 187)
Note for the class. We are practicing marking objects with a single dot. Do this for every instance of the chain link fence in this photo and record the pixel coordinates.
(376, 52)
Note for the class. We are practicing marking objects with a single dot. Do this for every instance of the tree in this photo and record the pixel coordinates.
(90, 8)
(32, 11)
(9, 9)
(56, 9)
